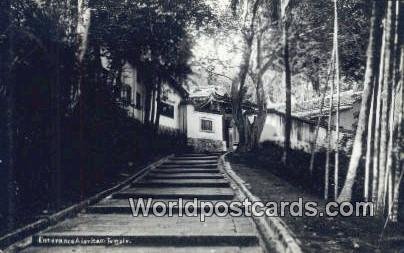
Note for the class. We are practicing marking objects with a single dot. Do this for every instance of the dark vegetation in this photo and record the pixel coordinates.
(270, 180)
(297, 172)
(114, 145)
(64, 134)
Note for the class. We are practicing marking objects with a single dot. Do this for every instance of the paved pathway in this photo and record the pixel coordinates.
(109, 225)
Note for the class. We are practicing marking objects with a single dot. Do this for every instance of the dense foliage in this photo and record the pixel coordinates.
(62, 124)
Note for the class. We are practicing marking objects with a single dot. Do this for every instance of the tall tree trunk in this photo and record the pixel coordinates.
(83, 24)
(397, 145)
(376, 152)
(259, 121)
(288, 91)
(370, 142)
(329, 141)
(238, 89)
(390, 156)
(238, 92)
(314, 142)
(386, 98)
(371, 66)
(336, 167)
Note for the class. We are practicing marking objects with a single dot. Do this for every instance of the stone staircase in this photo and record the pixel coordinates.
(109, 225)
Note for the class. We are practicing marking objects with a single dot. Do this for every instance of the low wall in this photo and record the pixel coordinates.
(206, 145)
(302, 133)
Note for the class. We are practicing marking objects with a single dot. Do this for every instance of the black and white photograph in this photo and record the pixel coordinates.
(206, 126)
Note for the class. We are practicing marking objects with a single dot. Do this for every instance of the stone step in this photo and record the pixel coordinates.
(144, 249)
(200, 158)
(185, 176)
(191, 170)
(124, 230)
(122, 206)
(196, 166)
(201, 153)
(176, 192)
(197, 155)
(182, 183)
(189, 162)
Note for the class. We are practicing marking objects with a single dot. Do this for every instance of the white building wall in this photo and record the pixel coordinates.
(174, 99)
(302, 134)
(193, 124)
(170, 96)
(348, 118)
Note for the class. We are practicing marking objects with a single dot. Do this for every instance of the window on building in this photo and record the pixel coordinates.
(166, 110)
(206, 125)
(138, 101)
(126, 94)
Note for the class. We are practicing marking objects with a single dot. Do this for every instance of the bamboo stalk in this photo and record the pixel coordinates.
(314, 144)
(337, 81)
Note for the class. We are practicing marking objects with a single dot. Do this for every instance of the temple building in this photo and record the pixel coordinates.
(207, 120)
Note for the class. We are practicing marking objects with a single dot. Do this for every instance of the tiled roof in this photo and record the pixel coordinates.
(216, 102)
(312, 107)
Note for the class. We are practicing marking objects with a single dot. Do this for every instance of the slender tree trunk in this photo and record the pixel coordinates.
(288, 91)
(371, 67)
(394, 155)
(158, 111)
(337, 75)
(314, 142)
(390, 157)
(393, 214)
(153, 107)
(370, 143)
(83, 24)
(376, 156)
(147, 109)
(329, 141)
(398, 116)
(386, 98)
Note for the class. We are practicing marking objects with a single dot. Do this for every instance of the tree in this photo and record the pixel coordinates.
(314, 142)
(397, 143)
(382, 99)
(238, 89)
(252, 14)
(287, 81)
(329, 138)
(152, 36)
(337, 81)
(371, 68)
(386, 103)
